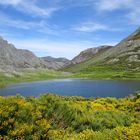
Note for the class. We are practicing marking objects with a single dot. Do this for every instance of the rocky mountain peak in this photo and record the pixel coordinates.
(13, 59)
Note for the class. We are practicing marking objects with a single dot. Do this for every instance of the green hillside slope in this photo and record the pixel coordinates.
(120, 61)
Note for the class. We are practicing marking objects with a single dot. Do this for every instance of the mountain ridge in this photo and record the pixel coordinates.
(18, 60)
(126, 52)
(13, 59)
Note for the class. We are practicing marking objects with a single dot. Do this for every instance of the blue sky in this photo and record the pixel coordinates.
(66, 27)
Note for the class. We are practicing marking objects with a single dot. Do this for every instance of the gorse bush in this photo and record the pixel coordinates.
(55, 117)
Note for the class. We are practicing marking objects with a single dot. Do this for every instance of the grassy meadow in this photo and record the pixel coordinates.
(88, 73)
(104, 71)
(30, 76)
(83, 70)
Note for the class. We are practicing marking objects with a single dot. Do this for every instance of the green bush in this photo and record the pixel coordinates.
(55, 117)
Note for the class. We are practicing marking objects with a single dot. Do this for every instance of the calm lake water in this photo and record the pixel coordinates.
(74, 87)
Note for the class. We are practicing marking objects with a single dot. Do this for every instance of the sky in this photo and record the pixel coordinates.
(63, 28)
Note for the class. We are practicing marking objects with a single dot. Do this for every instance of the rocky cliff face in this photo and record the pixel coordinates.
(56, 63)
(12, 59)
(127, 51)
(89, 53)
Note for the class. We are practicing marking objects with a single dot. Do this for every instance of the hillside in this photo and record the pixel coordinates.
(126, 52)
(56, 63)
(124, 56)
(17, 60)
(89, 53)
(13, 59)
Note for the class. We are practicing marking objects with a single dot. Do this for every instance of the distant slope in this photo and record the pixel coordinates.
(56, 63)
(86, 58)
(89, 53)
(12, 59)
(125, 55)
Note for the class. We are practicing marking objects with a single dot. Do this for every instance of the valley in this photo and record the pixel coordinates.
(69, 70)
(120, 62)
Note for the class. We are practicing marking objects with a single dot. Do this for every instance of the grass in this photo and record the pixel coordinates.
(98, 71)
(46, 75)
(119, 72)
(31, 76)
(109, 75)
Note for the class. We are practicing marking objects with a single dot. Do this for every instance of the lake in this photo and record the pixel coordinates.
(74, 87)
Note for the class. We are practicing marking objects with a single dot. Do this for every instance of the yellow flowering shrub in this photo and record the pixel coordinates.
(52, 117)
(128, 133)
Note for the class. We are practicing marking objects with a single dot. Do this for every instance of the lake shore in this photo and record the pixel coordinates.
(74, 87)
(8, 79)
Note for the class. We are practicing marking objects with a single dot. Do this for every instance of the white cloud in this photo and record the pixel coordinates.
(30, 7)
(109, 5)
(40, 26)
(35, 10)
(51, 48)
(92, 27)
(5, 20)
(10, 2)
(132, 7)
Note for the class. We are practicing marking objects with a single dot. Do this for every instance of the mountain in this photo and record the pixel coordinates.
(13, 59)
(125, 54)
(56, 63)
(89, 53)
(86, 58)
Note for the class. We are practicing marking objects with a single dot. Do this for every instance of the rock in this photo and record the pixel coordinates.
(133, 58)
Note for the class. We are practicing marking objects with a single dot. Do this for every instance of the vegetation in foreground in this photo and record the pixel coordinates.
(55, 117)
(30, 76)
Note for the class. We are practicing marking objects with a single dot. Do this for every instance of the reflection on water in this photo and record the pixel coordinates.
(74, 87)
